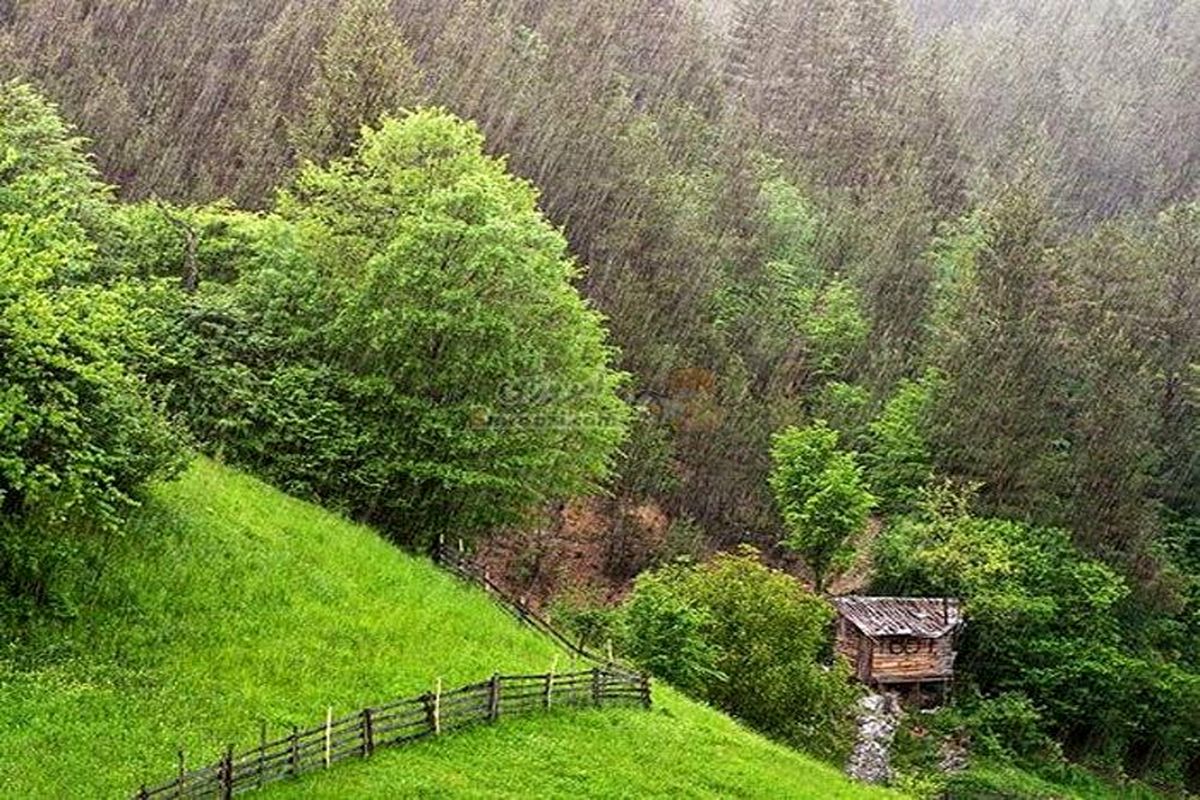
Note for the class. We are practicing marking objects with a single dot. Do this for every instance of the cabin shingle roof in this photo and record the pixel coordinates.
(921, 617)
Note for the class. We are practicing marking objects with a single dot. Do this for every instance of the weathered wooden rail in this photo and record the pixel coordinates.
(456, 562)
(402, 722)
(398, 723)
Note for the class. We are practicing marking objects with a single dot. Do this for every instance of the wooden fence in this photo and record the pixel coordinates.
(456, 562)
(360, 734)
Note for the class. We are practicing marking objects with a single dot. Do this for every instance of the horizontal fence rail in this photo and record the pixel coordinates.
(401, 722)
(456, 562)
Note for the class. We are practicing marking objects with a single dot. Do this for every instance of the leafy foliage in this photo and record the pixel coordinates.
(403, 340)
(46, 175)
(364, 71)
(747, 639)
(665, 631)
(79, 434)
(1044, 624)
(899, 462)
(820, 493)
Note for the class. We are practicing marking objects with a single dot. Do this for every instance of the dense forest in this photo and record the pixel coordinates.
(943, 255)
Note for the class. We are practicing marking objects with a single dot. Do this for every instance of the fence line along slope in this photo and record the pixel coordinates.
(399, 723)
(459, 563)
(226, 605)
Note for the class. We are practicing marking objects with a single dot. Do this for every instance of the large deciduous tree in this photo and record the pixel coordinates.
(411, 344)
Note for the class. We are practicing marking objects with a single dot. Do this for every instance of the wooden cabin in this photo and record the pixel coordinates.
(899, 641)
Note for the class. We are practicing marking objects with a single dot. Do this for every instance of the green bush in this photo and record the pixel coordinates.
(45, 176)
(1007, 726)
(748, 639)
(1044, 634)
(665, 631)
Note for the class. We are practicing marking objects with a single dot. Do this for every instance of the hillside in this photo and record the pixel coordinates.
(228, 603)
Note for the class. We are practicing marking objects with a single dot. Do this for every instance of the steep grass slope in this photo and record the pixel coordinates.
(228, 604)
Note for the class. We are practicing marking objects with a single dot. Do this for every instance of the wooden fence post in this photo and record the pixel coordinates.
(430, 719)
(494, 697)
(328, 732)
(646, 689)
(143, 793)
(227, 774)
(262, 751)
(596, 685)
(368, 733)
(437, 708)
(550, 683)
(180, 774)
(294, 751)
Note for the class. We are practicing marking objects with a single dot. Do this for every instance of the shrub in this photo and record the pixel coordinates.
(665, 631)
(833, 325)
(748, 639)
(1044, 635)
(46, 176)
(1007, 726)
(685, 539)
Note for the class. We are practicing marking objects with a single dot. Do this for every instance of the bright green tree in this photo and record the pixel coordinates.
(407, 343)
(899, 462)
(820, 493)
(78, 434)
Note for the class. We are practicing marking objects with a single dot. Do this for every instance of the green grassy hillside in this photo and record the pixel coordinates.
(228, 603)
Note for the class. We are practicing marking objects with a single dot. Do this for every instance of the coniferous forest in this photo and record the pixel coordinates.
(679, 313)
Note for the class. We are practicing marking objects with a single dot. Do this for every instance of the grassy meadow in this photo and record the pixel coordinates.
(227, 604)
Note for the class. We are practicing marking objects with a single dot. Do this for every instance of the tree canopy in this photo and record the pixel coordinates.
(821, 495)
(80, 434)
(406, 342)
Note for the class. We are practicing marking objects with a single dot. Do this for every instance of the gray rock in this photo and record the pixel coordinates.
(954, 756)
(878, 719)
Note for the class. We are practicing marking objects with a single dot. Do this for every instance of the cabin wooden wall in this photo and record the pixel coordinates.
(857, 648)
(900, 658)
(846, 641)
